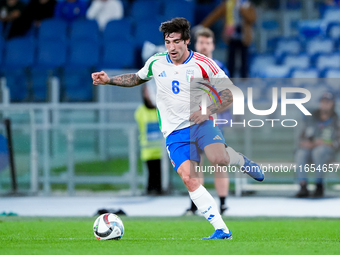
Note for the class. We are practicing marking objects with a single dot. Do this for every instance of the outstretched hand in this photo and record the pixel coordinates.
(100, 78)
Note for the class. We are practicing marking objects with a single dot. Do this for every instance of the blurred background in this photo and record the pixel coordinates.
(69, 137)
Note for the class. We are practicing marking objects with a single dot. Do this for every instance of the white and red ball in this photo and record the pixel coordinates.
(108, 226)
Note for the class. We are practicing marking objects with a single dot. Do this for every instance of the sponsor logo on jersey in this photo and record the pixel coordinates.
(162, 74)
(190, 75)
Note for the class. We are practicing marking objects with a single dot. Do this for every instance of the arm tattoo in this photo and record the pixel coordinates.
(126, 80)
(226, 98)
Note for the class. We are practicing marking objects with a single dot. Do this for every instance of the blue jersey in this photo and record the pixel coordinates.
(222, 66)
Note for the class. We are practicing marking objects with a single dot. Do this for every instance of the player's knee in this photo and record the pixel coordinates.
(191, 183)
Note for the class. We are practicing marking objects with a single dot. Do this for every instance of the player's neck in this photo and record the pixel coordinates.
(183, 58)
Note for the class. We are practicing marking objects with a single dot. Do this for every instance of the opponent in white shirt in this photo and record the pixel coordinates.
(179, 111)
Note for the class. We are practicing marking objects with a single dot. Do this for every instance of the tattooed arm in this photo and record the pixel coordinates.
(124, 80)
(226, 98)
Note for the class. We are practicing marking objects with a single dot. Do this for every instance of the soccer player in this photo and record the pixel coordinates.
(205, 45)
(187, 134)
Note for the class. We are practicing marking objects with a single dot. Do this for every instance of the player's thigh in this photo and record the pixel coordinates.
(217, 154)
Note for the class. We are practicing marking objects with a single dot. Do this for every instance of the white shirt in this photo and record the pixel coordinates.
(105, 11)
(178, 93)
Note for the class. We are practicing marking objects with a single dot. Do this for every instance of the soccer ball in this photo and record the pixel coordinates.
(108, 226)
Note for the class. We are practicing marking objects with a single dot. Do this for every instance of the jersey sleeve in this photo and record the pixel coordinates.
(222, 66)
(146, 72)
(220, 80)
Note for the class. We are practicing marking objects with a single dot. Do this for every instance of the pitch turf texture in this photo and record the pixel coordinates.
(174, 235)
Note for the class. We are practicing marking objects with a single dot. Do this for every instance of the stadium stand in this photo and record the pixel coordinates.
(148, 31)
(53, 30)
(186, 10)
(143, 9)
(51, 54)
(79, 30)
(17, 82)
(332, 73)
(83, 53)
(40, 79)
(118, 54)
(330, 60)
(333, 30)
(113, 30)
(331, 15)
(313, 52)
(310, 73)
(310, 28)
(296, 61)
(72, 83)
(19, 53)
(275, 71)
(319, 46)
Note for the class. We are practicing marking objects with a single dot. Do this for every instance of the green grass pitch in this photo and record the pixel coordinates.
(170, 235)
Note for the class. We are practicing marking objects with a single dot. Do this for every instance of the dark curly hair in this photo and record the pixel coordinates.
(176, 25)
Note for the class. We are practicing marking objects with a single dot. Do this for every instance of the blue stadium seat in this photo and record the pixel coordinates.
(332, 73)
(148, 31)
(118, 54)
(51, 54)
(310, 28)
(305, 77)
(2, 46)
(319, 46)
(297, 61)
(305, 73)
(332, 15)
(328, 61)
(1, 29)
(202, 10)
(53, 29)
(84, 30)
(260, 62)
(179, 8)
(19, 53)
(83, 53)
(272, 43)
(76, 85)
(118, 30)
(17, 82)
(276, 72)
(294, 5)
(333, 30)
(40, 78)
(143, 9)
(287, 46)
(270, 24)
